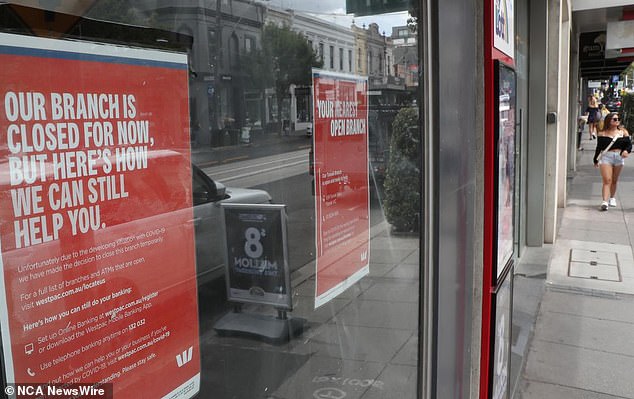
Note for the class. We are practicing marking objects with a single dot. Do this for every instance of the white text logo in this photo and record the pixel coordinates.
(185, 357)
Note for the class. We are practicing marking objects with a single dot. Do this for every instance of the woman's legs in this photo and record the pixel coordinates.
(615, 178)
(607, 177)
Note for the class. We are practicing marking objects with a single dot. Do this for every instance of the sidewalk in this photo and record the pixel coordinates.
(582, 343)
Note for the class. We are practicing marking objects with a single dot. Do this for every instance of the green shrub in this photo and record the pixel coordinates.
(402, 179)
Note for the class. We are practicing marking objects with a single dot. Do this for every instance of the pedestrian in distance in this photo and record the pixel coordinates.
(592, 111)
(603, 111)
(581, 124)
(614, 144)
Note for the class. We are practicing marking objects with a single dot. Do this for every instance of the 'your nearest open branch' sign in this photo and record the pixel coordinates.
(340, 142)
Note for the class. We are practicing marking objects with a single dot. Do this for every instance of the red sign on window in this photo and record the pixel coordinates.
(97, 281)
(341, 182)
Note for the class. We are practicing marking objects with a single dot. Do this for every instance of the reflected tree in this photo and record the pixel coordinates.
(414, 12)
(285, 58)
(402, 179)
(116, 11)
(123, 11)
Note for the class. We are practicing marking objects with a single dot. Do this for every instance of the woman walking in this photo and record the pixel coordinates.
(614, 144)
(593, 116)
(603, 111)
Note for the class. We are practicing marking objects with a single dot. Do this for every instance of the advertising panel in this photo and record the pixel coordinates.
(97, 274)
(592, 46)
(594, 84)
(504, 26)
(501, 341)
(505, 168)
(255, 242)
(340, 142)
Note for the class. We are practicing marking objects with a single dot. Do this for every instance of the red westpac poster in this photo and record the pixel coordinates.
(97, 281)
(340, 142)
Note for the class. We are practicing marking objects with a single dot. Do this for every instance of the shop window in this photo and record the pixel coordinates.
(233, 234)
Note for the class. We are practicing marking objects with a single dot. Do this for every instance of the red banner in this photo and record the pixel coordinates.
(98, 263)
(340, 109)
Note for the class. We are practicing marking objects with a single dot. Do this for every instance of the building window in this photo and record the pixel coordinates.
(213, 49)
(321, 52)
(359, 59)
(370, 62)
(234, 51)
(341, 59)
(332, 57)
(249, 44)
(349, 60)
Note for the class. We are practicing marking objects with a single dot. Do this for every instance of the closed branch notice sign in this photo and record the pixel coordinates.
(97, 281)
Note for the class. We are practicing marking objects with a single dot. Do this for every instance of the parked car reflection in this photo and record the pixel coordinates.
(613, 104)
(208, 195)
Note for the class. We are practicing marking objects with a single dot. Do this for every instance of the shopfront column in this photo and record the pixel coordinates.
(536, 159)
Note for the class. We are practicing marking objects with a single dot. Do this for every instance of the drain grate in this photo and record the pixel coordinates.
(594, 265)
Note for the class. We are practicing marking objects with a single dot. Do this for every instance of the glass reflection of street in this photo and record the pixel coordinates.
(337, 351)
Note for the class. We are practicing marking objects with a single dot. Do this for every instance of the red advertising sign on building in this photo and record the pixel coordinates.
(340, 140)
(97, 281)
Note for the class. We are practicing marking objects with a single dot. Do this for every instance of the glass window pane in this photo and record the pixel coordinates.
(221, 198)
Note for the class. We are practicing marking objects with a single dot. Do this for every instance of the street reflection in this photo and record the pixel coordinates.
(252, 128)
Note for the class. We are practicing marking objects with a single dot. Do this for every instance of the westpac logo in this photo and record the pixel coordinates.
(185, 357)
(364, 255)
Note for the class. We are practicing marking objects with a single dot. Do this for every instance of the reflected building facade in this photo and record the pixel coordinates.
(223, 31)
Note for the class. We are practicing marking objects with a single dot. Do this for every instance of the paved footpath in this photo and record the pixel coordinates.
(582, 345)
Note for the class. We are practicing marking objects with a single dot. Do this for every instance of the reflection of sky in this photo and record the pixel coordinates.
(335, 11)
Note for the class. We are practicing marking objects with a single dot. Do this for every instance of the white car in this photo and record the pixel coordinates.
(208, 195)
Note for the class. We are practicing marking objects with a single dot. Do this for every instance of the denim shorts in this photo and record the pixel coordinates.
(612, 158)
